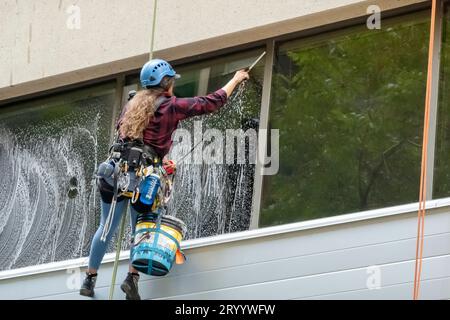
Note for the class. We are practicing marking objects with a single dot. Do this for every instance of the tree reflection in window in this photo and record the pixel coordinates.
(349, 107)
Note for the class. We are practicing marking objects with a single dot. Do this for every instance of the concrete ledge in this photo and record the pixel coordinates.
(253, 36)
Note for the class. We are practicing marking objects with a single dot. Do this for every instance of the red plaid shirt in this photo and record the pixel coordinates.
(158, 133)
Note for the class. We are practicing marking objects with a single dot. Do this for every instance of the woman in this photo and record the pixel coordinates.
(151, 116)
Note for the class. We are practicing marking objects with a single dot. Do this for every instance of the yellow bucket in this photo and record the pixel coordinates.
(156, 248)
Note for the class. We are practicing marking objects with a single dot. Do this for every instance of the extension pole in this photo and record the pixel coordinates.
(118, 249)
(256, 61)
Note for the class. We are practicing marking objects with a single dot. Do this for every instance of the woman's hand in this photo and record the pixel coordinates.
(241, 75)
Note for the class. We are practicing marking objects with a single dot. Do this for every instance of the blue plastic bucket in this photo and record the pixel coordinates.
(156, 247)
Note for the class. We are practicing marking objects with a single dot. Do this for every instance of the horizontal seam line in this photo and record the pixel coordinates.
(294, 257)
(291, 278)
(303, 255)
(366, 289)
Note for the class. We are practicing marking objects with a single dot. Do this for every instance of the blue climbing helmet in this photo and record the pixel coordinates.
(154, 71)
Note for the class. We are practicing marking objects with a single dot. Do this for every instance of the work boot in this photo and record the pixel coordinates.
(87, 289)
(130, 286)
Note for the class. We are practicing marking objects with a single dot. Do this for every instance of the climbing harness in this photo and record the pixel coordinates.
(423, 176)
(150, 178)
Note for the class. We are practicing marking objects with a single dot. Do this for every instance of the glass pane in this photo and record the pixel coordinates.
(49, 149)
(215, 198)
(441, 186)
(349, 106)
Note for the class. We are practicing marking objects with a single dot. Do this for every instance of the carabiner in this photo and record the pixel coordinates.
(135, 196)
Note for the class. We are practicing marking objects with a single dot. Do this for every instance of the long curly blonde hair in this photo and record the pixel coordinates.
(140, 110)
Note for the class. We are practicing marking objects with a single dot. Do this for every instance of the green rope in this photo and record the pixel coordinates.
(122, 225)
(152, 43)
(116, 261)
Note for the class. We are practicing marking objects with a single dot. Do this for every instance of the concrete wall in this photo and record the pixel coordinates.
(39, 52)
(307, 261)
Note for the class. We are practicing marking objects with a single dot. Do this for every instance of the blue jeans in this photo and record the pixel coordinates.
(98, 247)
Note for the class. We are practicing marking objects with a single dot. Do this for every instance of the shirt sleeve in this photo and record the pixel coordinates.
(190, 107)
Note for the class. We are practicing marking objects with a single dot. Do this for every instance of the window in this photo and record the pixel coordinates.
(349, 106)
(49, 149)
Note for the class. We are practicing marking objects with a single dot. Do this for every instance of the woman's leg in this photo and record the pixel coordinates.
(130, 284)
(133, 219)
(98, 247)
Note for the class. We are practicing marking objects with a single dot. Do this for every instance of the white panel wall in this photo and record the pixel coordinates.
(35, 42)
(320, 263)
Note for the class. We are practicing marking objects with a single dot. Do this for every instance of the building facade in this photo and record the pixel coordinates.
(343, 82)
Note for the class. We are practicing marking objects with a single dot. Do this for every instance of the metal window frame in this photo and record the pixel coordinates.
(263, 124)
(431, 152)
(120, 85)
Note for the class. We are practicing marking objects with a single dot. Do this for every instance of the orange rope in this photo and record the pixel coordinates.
(423, 176)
